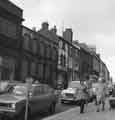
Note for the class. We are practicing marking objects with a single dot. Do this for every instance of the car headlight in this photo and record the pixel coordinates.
(62, 94)
(13, 105)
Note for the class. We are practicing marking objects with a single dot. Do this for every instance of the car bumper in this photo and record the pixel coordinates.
(7, 112)
(70, 99)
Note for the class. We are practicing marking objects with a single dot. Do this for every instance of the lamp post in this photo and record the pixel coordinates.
(29, 81)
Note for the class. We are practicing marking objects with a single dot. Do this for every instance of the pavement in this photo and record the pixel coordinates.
(90, 114)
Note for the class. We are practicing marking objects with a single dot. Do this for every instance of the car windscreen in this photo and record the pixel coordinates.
(74, 85)
(113, 93)
(19, 90)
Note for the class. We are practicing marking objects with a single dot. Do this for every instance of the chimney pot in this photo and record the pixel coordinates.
(54, 29)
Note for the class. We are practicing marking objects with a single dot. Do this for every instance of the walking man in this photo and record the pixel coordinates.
(83, 97)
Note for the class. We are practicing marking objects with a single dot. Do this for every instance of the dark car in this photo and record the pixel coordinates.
(112, 99)
(13, 102)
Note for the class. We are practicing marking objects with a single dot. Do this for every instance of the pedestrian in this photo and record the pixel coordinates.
(87, 92)
(104, 94)
(83, 97)
(100, 94)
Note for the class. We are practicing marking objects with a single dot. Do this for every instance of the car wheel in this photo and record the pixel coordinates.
(5, 118)
(52, 108)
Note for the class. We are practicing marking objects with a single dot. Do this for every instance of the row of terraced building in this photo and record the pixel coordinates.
(48, 57)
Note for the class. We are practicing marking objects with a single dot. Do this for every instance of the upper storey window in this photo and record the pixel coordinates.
(8, 28)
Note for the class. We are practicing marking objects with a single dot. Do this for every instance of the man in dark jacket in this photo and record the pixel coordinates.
(83, 97)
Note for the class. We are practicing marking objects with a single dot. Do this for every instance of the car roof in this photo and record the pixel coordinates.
(75, 84)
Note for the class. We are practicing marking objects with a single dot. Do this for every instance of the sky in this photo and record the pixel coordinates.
(92, 22)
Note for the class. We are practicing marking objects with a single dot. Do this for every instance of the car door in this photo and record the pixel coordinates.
(48, 96)
(44, 96)
(36, 100)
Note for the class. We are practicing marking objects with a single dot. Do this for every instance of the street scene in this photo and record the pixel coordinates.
(57, 60)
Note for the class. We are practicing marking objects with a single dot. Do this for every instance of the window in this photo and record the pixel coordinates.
(63, 46)
(31, 45)
(34, 46)
(8, 68)
(24, 70)
(47, 71)
(26, 41)
(60, 44)
(37, 70)
(47, 89)
(54, 75)
(61, 59)
(54, 54)
(38, 90)
(38, 47)
(41, 49)
(33, 68)
(48, 51)
(8, 28)
(64, 61)
(40, 72)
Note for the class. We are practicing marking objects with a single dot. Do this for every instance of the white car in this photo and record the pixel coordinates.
(71, 93)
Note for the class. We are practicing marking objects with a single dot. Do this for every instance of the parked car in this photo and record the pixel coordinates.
(71, 94)
(112, 99)
(110, 89)
(13, 102)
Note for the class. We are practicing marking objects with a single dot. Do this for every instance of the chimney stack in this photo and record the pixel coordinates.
(54, 29)
(68, 35)
(45, 26)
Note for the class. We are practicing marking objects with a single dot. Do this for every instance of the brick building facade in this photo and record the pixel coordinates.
(39, 57)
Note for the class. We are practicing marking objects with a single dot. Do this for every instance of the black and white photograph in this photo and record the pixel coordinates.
(57, 59)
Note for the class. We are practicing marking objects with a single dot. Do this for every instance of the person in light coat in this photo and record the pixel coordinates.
(100, 94)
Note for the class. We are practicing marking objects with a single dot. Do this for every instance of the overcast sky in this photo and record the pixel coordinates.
(92, 21)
